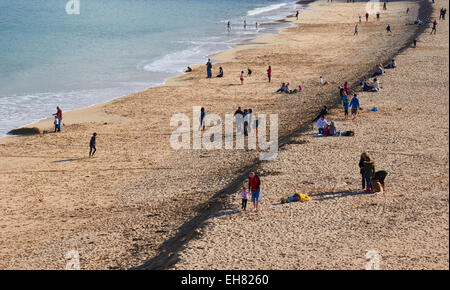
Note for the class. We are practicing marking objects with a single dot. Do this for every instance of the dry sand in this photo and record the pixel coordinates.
(407, 225)
(118, 208)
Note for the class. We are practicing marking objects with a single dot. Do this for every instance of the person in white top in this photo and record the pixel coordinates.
(321, 124)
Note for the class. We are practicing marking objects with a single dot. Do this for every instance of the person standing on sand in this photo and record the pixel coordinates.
(254, 184)
(245, 25)
(296, 15)
(244, 197)
(229, 26)
(202, 119)
(367, 16)
(364, 158)
(269, 73)
(209, 69)
(346, 107)
(58, 114)
(368, 174)
(92, 143)
(388, 29)
(242, 77)
(354, 103)
(434, 27)
(239, 117)
(360, 19)
(256, 25)
(415, 43)
(356, 30)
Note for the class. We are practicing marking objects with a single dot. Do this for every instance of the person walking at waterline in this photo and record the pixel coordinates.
(229, 26)
(254, 184)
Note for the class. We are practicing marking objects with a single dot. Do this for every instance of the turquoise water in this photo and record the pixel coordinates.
(111, 48)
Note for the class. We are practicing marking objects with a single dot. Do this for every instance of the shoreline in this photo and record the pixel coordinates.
(84, 114)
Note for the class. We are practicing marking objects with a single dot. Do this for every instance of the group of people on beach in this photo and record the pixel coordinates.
(244, 25)
(244, 121)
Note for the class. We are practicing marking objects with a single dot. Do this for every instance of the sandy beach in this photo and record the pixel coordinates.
(119, 209)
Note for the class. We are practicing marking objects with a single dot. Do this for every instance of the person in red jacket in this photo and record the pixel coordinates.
(269, 73)
(59, 117)
(254, 184)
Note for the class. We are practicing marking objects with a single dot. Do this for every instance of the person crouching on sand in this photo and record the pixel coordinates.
(254, 183)
(92, 144)
(244, 197)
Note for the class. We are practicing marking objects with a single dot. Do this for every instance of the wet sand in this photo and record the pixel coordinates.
(118, 208)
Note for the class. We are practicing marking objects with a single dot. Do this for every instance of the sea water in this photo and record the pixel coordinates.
(51, 56)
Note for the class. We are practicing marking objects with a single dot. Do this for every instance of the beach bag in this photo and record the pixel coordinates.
(374, 109)
(348, 134)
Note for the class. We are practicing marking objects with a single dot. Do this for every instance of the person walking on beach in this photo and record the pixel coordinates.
(415, 43)
(388, 29)
(378, 15)
(360, 19)
(58, 115)
(434, 27)
(356, 30)
(364, 158)
(269, 73)
(244, 197)
(384, 5)
(296, 15)
(354, 103)
(209, 69)
(367, 16)
(92, 143)
(202, 119)
(254, 184)
(229, 26)
(256, 25)
(346, 107)
(242, 77)
(245, 25)
(346, 88)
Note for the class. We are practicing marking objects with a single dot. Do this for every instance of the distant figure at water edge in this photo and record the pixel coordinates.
(59, 115)
(229, 26)
(256, 25)
(92, 145)
(296, 15)
(209, 69)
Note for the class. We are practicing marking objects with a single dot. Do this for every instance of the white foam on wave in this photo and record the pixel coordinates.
(265, 9)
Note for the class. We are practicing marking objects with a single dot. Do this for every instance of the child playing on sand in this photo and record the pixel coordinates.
(242, 77)
(244, 197)
(56, 123)
(346, 107)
